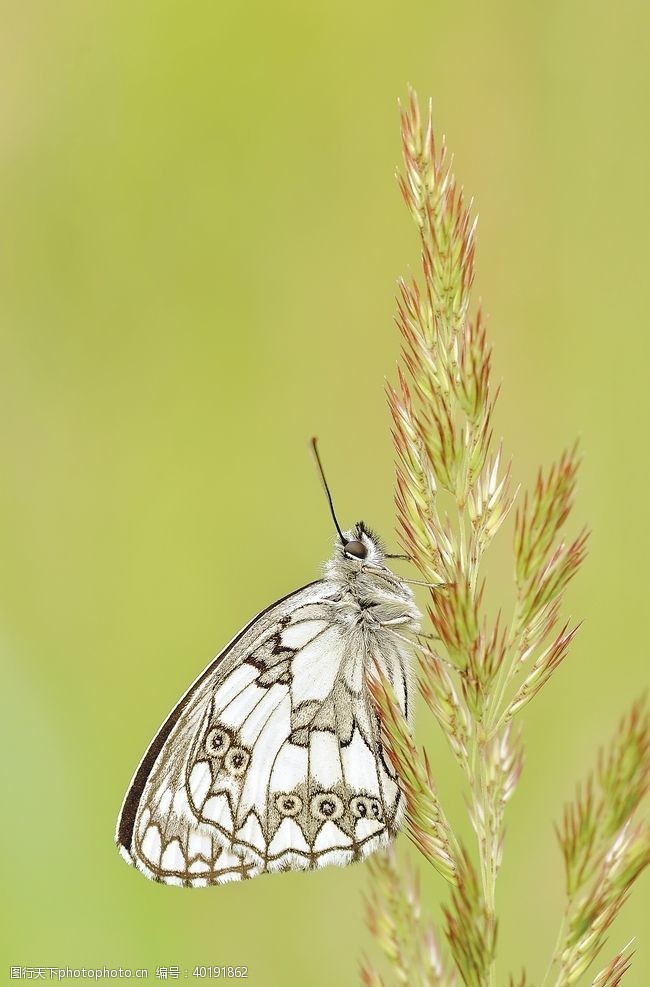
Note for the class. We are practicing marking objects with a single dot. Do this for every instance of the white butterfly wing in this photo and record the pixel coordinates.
(272, 759)
(157, 830)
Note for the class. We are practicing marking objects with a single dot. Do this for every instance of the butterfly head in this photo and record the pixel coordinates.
(359, 564)
(356, 553)
(361, 546)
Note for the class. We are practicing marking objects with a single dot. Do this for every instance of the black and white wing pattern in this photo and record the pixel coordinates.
(272, 760)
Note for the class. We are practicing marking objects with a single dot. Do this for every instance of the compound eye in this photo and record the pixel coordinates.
(356, 549)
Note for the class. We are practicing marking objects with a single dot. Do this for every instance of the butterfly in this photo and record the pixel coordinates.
(273, 758)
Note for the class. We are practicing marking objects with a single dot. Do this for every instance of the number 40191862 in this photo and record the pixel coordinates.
(240, 972)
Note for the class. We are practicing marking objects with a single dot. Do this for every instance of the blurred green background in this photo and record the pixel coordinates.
(201, 235)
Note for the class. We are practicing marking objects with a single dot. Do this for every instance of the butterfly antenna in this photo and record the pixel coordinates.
(314, 446)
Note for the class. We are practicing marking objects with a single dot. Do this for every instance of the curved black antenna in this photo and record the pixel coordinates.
(314, 446)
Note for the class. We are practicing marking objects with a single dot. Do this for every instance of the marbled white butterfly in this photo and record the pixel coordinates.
(273, 760)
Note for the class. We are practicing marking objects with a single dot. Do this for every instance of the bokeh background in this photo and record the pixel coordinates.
(201, 235)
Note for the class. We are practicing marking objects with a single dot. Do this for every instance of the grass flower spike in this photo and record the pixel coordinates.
(479, 671)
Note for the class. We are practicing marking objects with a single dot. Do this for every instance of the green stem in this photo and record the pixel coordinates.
(486, 848)
(556, 950)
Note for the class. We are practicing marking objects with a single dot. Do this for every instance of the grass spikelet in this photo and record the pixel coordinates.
(613, 973)
(407, 938)
(605, 847)
(454, 493)
(470, 927)
(425, 821)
